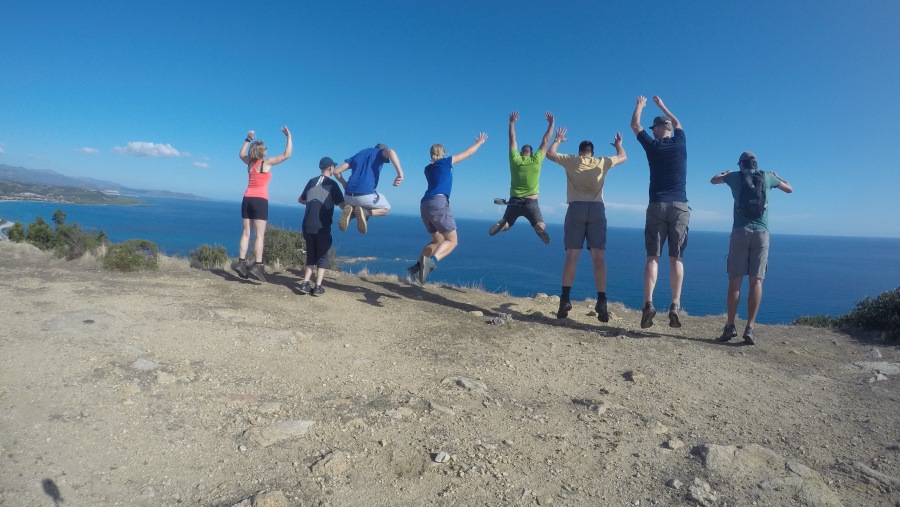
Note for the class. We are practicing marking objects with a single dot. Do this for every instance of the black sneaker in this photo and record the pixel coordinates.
(542, 233)
(318, 291)
(361, 225)
(728, 333)
(240, 267)
(674, 321)
(426, 266)
(749, 336)
(497, 227)
(305, 288)
(564, 307)
(258, 272)
(344, 221)
(647, 315)
(602, 311)
(414, 273)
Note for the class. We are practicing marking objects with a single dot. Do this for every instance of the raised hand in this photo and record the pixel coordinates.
(549, 117)
(513, 116)
(658, 101)
(251, 135)
(561, 134)
(641, 101)
(285, 131)
(482, 137)
(617, 140)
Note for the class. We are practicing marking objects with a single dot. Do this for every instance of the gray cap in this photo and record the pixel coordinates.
(662, 120)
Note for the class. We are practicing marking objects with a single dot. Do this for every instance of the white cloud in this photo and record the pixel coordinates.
(637, 208)
(32, 156)
(201, 165)
(2, 151)
(144, 149)
(88, 151)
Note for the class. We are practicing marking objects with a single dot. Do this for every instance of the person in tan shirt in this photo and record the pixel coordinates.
(586, 216)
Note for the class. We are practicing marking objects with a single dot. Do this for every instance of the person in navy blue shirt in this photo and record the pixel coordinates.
(359, 189)
(319, 196)
(668, 213)
(435, 209)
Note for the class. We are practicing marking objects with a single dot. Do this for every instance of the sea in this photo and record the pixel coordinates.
(808, 275)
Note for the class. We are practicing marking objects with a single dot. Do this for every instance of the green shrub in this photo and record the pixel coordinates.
(880, 314)
(334, 262)
(132, 255)
(71, 242)
(40, 234)
(208, 257)
(284, 248)
(59, 218)
(16, 232)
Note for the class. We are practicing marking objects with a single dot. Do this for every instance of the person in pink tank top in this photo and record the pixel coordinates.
(255, 206)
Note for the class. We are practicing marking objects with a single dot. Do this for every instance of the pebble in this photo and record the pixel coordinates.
(635, 376)
(441, 457)
(477, 313)
(674, 444)
(674, 484)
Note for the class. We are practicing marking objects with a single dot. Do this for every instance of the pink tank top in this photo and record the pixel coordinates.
(258, 184)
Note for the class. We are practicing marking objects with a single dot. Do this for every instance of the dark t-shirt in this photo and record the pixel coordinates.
(321, 194)
(667, 158)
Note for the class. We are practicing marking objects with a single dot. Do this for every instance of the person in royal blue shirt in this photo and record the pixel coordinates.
(359, 190)
(668, 213)
(435, 209)
(320, 196)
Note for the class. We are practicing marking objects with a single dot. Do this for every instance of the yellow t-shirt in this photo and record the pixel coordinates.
(585, 176)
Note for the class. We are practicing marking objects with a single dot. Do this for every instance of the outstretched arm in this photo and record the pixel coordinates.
(392, 156)
(636, 115)
(289, 147)
(659, 102)
(243, 154)
(560, 138)
(482, 137)
(513, 117)
(549, 133)
(783, 185)
(620, 157)
(719, 178)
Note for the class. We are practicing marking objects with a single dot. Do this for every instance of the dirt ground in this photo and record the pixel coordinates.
(187, 387)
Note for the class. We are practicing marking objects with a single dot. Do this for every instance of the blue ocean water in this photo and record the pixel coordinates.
(808, 275)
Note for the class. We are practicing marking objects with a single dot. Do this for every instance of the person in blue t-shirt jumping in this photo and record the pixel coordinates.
(748, 250)
(359, 189)
(668, 213)
(435, 209)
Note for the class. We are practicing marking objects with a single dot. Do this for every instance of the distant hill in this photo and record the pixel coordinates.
(50, 178)
(16, 191)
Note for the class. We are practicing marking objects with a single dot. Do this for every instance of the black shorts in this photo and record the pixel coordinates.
(255, 208)
(523, 207)
(317, 246)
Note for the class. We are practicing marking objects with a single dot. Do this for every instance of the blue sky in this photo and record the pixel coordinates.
(161, 94)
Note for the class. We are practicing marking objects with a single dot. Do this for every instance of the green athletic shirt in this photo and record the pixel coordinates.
(524, 173)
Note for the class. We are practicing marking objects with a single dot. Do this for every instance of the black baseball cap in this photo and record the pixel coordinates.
(326, 162)
(662, 120)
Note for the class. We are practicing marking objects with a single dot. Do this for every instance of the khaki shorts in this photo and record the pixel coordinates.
(667, 221)
(748, 253)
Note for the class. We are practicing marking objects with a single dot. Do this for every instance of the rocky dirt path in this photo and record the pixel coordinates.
(183, 387)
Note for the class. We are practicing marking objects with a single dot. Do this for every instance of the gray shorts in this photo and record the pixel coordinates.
(523, 207)
(436, 215)
(748, 253)
(585, 220)
(667, 221)
(368, 201)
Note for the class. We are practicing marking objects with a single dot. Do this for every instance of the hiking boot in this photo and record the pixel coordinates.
(361, 225)
(344, 221)
(564, 307)
(749, 336)
(318, 291)
(305, 288)
(497, 227)
(602, 311)
(728, 333)
(259, 272)
(414, 272)
(674, 321)
(426, 266)
(647, 315)
(240, 267)
(542, 233)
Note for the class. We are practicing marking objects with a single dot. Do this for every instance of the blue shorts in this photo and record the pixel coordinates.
(317, 246)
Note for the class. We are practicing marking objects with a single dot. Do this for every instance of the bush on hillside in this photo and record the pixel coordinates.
(16, 232)
(880, 314)
(40, 234)
(208, 257)
(71, 242)
(132, 255)
(284, 248)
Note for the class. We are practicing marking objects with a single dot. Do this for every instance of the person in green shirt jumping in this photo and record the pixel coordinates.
(525, 174)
